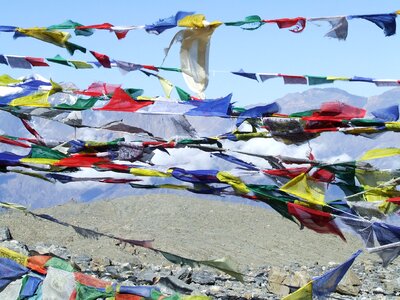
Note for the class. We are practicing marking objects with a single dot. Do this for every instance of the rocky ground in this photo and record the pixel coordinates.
(275, 256)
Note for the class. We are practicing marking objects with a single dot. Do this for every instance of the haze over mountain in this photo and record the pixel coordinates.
(37, 193)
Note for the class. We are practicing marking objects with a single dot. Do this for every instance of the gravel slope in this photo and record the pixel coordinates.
(195, 228)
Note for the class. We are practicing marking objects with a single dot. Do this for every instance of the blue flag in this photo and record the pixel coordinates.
(387, 22)
(327, 283)
(387, 114)
(217, 108)
(10, 271)
(257, 112)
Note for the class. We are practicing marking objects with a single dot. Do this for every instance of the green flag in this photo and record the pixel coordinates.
(183, 95)
(314, 80)
(45, 152)
(80, 104)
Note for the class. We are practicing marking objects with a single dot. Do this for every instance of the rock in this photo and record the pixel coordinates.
(276, 277)
(112, 271)
(203, 277)
(171, 283)
(392, 286)
(15, 246)
(101, 261)
(350, 284)
(297, 279)
(5, 234)
(127, 267)
(59, 251)
(83, 261)
(184, 273)
(378, 290)
(260, 279)
(215, 289)
(369, 266)
(146, 277)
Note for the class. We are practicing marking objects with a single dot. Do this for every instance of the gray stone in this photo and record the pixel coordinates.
(126, 267)
(297, 279)
(82, 258)
(112, 271)
(378, 290)
(173, 284)
(350, 284)
(146, 276)
(101, 261)
(83, 261)
(275, 285)
(260, 279)
(203, 277)
(183, 273)
(15, 246)
(392, 286)
(59, 251)
(5, 234)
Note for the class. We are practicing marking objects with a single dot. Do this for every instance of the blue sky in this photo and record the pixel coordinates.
(366, 52)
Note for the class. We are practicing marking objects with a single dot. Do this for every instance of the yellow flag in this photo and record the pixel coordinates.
(166, 85)
(197, 21)
(15, 256)
(145, 98)
(370, 181)
(55, 87)
(360, 130)
(6, 79)
(337, 78)
(10, 205)
(249, 135)
(33, 100)
(310, 190)
(304, 293)
(380, 153)
(393, 126)
(173, 186)
(233, 181)
(55, 37)
(148, 172)
(40, 161)
(81, 64)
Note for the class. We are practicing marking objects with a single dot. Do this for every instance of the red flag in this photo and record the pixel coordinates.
(316, 220)
(148, 67)
(159, 144)
(293, 79)
(121, 101)
(98, 89)
(114, 167)
(81, 161)
(36, 61)
(299, 23)
(97, 26)
(336, 111)
(33, 131)
(121, 34)
(88, 280)
(37, 262)
(103, 59)
(395, 200)
(6, 140)
(323, 175)
(290, 172)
